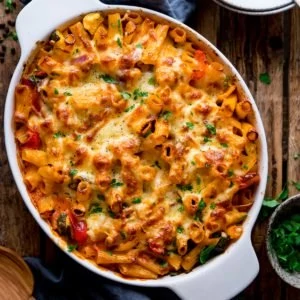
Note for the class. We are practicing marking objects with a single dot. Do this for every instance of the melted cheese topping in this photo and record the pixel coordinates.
(134, 141)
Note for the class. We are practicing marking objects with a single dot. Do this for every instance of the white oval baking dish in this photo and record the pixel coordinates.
(222, 277)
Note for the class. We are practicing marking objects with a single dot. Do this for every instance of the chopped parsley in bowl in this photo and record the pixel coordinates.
(283, 241)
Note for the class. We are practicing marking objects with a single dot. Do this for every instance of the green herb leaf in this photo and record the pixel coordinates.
(115, 183)
(184, 187)
(201, 205)
(125, 95)
(9, 5)
(205, 254)
(151, 81)
(212, 206)
(265, 78)
(211, 128)
(78, 137)
(180, 229)
(72, 247)
(95, 209)
(189, 125)
(136, 200)
(73, 172)
(139, 45)
(108, 79)
(129, 108)
(58, 134)
(67, 93)
(230, 173)
(206, 139)
(166, 115)
(181, 208)
(119, 42)
(224, 145)
(137, 93)
(56, 92)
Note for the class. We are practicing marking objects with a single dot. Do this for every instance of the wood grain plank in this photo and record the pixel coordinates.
(294, 118)
(18, 230)
(248, 42)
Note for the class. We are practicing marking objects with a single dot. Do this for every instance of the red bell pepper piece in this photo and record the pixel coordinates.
(33, 141)
(79, 230)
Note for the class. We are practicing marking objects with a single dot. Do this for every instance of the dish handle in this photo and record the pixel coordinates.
(39, 16)
(223, 279)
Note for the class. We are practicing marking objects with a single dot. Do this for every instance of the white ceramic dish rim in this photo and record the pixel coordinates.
(255, 12)
(221, 278)
(257, 5)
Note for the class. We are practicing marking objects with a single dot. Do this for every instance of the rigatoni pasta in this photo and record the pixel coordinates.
(135, 144)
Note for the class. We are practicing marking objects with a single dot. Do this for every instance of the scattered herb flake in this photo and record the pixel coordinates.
(230, 173)
(137, 93)
(181, 208)
(151, 81)
(136, 200)
(95, 209)
(245, 167)
(67, 93)
(115, 183)
(108, 79)
(119, 42)
(212, 206)
(184, 187)
(72, 247)
(129, 108)
(205, 254)
(206, 139)
(73, 172)
(201, 205)
(224, 145)
(189, 125)
(78, 137)
(211, 128)
(139, 45)
(193, 163)
(125, 95)
(180, 229)
(166, 115)
(56, 92)
(58, 134)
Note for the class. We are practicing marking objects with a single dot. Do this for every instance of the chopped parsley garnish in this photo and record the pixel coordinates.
(193, 163)
(184, 187)
(211, 128)
(212, 206)
(78, 137)
(224, 145)
(151, 81)
(67, 93)
(33, 79)
(201, 205)
(56, 92)
(108, 79)
(285, 240)
(119, 26)
(205, 254)
(166, 115)
(265, 78)
(206, 139)
(230, 173)
(245, 167)
(119, 42)
(58, 134)
(73, 172)
(269, 204)
(198, 180)
(212, 250)
(136, 200)
(115, 183)
(72, 247)
(137, 93)
(95, 209)
(111, 214)
(163, 263)
(180, 229)
(129, 108)
(189, 125)
(139, 45)
(125, 95)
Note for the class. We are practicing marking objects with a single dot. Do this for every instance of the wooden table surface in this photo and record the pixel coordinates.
(254, 45)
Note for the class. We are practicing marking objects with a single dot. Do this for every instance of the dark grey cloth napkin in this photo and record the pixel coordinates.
(68, 280)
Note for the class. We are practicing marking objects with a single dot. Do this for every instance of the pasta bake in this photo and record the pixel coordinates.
(136, 145)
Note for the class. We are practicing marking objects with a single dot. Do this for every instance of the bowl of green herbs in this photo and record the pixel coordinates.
(283, 241)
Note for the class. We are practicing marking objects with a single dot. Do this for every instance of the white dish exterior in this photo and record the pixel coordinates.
(261, 9)
(257, 6)
(219, 279)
